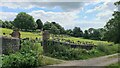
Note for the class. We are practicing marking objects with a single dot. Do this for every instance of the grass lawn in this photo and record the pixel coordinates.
(31, 35)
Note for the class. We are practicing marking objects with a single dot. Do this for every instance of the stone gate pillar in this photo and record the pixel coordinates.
(15, 33)
(45, 38)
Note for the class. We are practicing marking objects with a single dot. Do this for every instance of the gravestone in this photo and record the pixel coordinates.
(45, 38)
(15, 33)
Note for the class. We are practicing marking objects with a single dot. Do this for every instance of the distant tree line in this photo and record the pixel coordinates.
(25, 22)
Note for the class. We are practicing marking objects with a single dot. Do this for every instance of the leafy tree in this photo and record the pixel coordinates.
(39, 23)
(69, 32)
(92, 33)
(86, 34)
(25, 21)
(62, 30)
(8, 24)
(96, 35)
(102, 33)
(113, 27)
(54, 30)
(77, 32)
(47, 26)
(1, 22)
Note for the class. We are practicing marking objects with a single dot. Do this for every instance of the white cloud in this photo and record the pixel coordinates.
(105, 16)
(106, 6)
(49, 0)
(67, 6)
(66, 19)
(7, 15)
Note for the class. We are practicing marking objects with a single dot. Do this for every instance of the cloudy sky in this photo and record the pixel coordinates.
(80, 13)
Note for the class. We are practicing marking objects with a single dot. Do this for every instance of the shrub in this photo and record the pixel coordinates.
(28, 56)
(107, 49)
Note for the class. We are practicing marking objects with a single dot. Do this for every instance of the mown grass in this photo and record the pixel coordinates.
(31, 35)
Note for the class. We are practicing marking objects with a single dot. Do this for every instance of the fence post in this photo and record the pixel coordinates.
(45, 38)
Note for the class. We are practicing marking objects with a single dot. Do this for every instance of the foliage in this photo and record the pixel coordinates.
(59, 51)
(108, 49)
(113, 27)
(1, 22)
(69, 32)
(25, 21)
(115, 65)
(53, 28)
(92, 33)
(77, 32)
(49, 61)
(28, 56)
(86, 35)
(47, 26)
(6, 24)
(39, 23)
(59, 27)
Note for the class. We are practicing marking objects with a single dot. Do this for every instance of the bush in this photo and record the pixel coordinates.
(65, 52)
(27, 57)
(19, 60)
(107, 49)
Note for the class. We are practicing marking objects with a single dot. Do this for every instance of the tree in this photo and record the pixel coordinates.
(8, 24)
(69, 32)
(54, 30)
(25, 21)
(96, 35)
(77, 32)
(86, 34)
(92, 33)
(113, 27)
(1, 22)
(62, 30)
(39, 23)
(47, 26)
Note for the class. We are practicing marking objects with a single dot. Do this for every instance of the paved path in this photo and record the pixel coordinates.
(99, 61)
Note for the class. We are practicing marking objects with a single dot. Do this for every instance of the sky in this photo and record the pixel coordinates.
(68, 13)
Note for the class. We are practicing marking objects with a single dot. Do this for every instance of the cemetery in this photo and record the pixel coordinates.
(48, 35)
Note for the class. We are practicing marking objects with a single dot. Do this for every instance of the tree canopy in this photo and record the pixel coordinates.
(39, 23)
(113, 27)
(77, 32)
(25, 21)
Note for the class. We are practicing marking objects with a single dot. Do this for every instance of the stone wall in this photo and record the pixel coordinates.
(10, 45)
(72, 45)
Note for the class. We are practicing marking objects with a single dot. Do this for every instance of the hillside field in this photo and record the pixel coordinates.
(33, 35)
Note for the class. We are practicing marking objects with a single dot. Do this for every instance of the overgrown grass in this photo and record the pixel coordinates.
(45, 60)
(115, 65)
(68, 53)
(0, 61)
